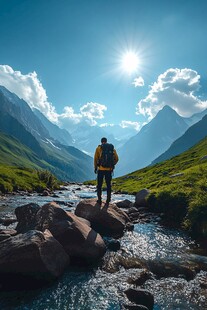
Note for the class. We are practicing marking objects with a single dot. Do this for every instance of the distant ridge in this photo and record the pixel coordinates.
(192, 136)
(61, 135)
(18, 120)
(152, 140)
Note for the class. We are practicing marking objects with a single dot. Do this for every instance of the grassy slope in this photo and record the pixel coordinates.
(68, 162)
(178, 188)
(14, 153)
(159, 176)
(19, 167)
(183, 198)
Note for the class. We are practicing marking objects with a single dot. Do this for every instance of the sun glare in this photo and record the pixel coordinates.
(130, 62)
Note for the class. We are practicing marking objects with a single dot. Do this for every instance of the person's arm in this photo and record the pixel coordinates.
(116, 158)
(96, 158)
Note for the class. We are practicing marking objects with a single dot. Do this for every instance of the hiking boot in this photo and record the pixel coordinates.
(107, 201)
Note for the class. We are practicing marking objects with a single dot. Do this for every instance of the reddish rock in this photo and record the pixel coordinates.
(34, 254)
(79, 240)
(107, 220)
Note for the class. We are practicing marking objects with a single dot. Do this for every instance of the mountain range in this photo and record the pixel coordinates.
(193, 135)
(46, 146)
(153, 139)
(19, 121)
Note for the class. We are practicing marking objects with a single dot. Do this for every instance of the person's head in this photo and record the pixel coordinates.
(103, 140)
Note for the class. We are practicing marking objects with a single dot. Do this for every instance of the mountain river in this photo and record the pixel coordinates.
(96, 289)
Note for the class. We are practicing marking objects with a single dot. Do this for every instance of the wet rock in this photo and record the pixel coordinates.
(131, 210)
(84, 221)
(113, 245)
(140, 277)
(140, 297)
(11, 232)
(4, 237)
(55, 196)
(124, 203)
(129, 226)
(7, 221)
(26, 217)
(46, 193)
(7, 233)
(107, 220)
(140, 198)
(82, 243)
(34, 254)
(172, 269)
(135, 307)
(134, 216)
(113, 261)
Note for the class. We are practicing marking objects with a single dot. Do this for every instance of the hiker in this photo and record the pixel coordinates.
(105, 159)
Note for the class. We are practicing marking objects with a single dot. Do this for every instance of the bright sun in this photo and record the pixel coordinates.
(130, 62)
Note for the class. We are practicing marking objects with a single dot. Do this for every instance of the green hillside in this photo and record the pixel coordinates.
(191, 173)
(178, 188)
(21, 169)
(14, 153)
(25, 179)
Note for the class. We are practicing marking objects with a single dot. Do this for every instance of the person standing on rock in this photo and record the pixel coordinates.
(105, 159)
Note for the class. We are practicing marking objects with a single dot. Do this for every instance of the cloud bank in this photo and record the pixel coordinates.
(176, 88)
(89, 113)
(129, 124)
(29, 88)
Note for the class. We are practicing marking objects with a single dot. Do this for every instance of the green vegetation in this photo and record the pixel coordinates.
(21, 169)
(14, 153)
(178, 187)
(13, 178)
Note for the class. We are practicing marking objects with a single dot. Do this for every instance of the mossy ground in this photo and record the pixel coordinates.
(14, 178)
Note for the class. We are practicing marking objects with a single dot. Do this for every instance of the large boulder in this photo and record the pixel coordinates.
(26, 217)
(79, 240)
(108, 220)
(124, 203)
(32, 254)
(140, 297)
(141, 198)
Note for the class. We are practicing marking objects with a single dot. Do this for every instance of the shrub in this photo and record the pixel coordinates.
(173, 205)
(196, 219)
(5, 187)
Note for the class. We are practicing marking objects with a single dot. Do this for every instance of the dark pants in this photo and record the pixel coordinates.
(100, 177)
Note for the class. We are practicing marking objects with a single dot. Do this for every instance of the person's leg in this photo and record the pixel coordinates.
(108, 177)
(100, 176)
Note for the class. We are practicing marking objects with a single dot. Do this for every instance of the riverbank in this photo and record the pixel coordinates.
(150, 244)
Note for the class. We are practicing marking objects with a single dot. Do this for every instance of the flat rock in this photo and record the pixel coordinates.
(107, 220)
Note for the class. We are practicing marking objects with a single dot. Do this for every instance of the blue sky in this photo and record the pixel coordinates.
(65, 57)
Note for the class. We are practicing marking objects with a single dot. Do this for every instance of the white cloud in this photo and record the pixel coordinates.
(106, 125)
(176, 88)
(93, 110)
(129, 124)
(138, 82)
(89, 112)
(29, 88)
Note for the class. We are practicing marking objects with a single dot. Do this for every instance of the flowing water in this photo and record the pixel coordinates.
(94, 289)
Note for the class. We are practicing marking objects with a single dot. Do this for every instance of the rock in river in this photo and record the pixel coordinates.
(108, 220)
(79, 240)
(32, 254)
